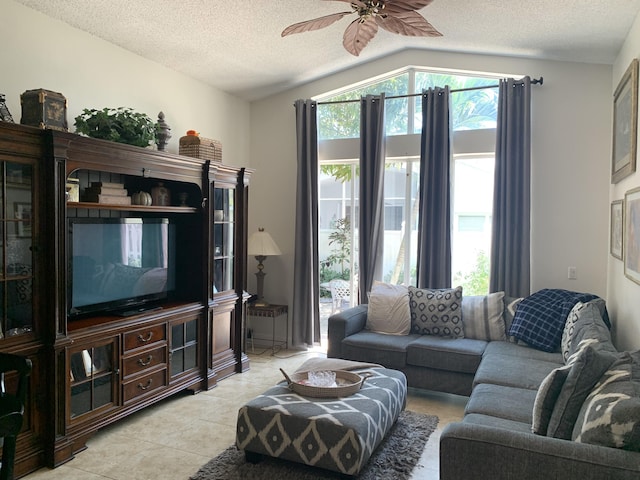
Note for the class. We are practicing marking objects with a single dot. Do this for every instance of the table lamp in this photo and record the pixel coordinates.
(261, 245)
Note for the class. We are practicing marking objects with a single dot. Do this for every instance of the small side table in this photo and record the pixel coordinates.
(273, 312)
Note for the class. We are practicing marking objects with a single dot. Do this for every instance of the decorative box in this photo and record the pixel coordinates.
(193, 145)
(44, 109)
(73, 190)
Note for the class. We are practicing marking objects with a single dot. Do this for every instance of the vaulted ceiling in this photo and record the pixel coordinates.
(235, 45)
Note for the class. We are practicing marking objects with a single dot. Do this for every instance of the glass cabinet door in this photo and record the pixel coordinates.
(184, 346)
(223, 239)
(93, 378)
(16, 240)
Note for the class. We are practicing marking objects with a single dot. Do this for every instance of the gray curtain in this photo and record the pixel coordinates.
(371, 218)
(306, 313)
(510, 241)
(434, 221)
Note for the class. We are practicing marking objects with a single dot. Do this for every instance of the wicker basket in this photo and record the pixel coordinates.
(348, 383)
(193, 145)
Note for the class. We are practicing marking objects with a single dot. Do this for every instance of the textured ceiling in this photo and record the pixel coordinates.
(236, 45)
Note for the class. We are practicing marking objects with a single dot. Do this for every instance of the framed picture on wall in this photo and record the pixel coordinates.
(617, 215)
(632, 234)
(625, 124)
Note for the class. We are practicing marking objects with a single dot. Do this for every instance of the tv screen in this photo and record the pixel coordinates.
(120, 265)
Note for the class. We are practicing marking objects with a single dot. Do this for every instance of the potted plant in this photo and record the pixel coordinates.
(120, 124)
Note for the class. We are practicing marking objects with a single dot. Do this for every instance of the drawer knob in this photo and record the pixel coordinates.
(145, 387)
(144, 363)
(143, 339)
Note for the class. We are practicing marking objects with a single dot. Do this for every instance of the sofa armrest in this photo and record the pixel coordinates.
(343, 324)
(472, 451)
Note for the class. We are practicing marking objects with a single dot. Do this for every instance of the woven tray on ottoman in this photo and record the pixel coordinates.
(338, 434)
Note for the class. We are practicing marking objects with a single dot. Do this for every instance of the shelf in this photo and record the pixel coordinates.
(132, 208)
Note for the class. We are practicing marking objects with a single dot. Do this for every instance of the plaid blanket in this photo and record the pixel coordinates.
(540, 318)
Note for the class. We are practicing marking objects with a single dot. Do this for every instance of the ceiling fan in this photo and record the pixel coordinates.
(395, 16)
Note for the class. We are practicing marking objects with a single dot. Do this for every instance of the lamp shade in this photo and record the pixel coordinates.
(261, 243)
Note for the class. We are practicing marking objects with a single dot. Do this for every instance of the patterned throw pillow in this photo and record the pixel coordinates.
(436, 312)
(546, 397)
(610, 416)
(388, 309)
(482, 317)
(587, 366)
(540, 318)
(582, 316)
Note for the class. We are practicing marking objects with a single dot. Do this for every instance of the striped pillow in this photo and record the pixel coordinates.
(482, 317)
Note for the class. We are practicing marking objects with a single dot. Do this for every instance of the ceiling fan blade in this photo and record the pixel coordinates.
(356, 2)
(411, 24)
(397, 6)
(315, 24)
(358, 34)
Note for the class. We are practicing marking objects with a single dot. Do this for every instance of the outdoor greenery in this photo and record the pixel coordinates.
(476, 281)
(470, 109)
(336, 265)
(340, 255)
(120, 124)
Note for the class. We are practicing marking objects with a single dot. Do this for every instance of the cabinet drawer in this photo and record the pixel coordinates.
(145, 384)
(144, 360)
(144, 336)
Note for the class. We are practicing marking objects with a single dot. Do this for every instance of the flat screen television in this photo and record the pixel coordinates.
(120, 265)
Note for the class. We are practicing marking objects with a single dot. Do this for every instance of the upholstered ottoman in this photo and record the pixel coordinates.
(338, 434)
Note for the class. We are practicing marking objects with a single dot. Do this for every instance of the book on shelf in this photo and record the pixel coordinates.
(110, 199)
(105, 191)
(107, 184)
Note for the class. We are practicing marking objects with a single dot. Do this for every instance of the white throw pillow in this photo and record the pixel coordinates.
(482, 317)
(388, 310)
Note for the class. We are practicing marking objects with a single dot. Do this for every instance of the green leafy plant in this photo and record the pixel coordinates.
(476, 281)
(120, 124)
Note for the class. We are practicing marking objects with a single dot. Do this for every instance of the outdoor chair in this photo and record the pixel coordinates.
(340, 295)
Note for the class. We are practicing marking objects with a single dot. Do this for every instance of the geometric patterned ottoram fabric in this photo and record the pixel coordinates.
(338, 434)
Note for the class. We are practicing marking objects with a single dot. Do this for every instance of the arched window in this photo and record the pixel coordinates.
(474, 112)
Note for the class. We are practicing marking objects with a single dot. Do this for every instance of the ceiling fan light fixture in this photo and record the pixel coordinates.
(395, 16)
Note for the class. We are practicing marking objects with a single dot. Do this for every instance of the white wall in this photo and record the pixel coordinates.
(40, 52)
(623, 295)
(570, 169)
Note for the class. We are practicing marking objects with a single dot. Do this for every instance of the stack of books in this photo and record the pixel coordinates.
(104, 192)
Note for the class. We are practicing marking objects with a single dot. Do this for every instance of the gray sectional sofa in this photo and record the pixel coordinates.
(503, 379)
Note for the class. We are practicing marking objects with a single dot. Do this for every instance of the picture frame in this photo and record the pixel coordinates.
(632, 235)
(616, 246)
(625, 124)
(22, 213)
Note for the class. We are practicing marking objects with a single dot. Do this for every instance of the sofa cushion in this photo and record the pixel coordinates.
(458, 355)
(497, 422)
(436, 312)
(587, 366)
(512, 371)
(546, 398)
(610, 416)
(582, 316)
(509, 403)
(388, 310)
(482, 316)
(522, 351)
(387, 350)
(540, 318)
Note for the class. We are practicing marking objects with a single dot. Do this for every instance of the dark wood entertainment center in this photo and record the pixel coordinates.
(93, 370)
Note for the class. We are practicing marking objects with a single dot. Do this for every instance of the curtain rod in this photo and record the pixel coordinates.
(535, 81)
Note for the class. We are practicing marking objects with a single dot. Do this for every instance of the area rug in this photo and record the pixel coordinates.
(394, 458)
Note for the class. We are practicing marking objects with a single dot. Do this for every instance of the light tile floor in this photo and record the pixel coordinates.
(174, 438)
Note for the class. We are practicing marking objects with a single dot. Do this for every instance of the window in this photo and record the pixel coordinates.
(339, 124)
